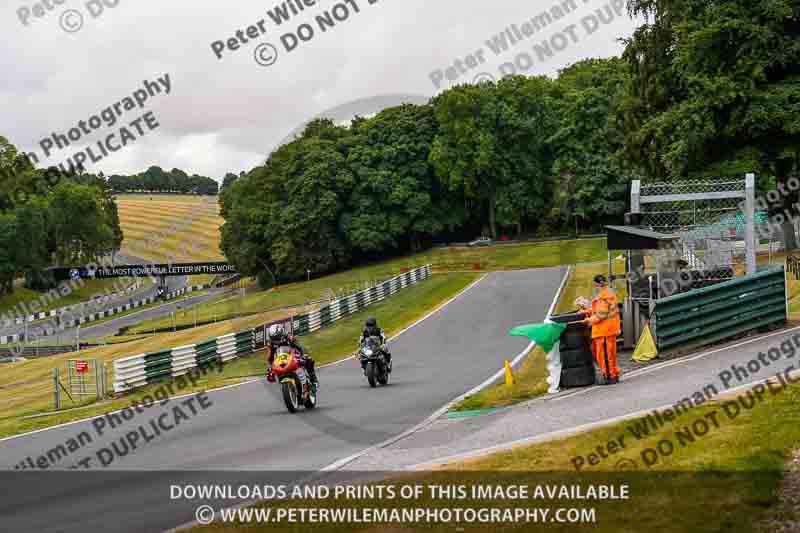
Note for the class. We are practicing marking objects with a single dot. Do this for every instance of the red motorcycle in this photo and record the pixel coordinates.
(295, 383)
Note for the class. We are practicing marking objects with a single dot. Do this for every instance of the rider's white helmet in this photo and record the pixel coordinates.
(276, 331)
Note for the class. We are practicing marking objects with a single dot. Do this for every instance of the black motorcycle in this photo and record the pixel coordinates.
(373, 361)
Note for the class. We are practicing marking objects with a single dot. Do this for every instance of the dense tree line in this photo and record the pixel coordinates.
(228, 180)
(513, 157)
(715, 91)
(156, 180)
(704, 88)
(522, 156)
(49, 218)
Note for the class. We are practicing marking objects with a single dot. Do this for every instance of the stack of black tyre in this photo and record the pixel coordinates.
(577, 363)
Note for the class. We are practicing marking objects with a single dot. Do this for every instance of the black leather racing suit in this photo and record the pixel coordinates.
(377, 332)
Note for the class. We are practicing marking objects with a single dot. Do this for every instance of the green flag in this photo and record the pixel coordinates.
(545, 335)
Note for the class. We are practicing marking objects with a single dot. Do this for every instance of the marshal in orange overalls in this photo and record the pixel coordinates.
(605, 321)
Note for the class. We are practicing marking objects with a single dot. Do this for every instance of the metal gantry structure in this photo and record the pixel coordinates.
(714, 219)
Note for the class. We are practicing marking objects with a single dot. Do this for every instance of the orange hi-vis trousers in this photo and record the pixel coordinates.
(604, 350)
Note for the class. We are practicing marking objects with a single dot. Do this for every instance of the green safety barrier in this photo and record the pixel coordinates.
(138, 370)
(206, 352)
(158, 365)
(707, 315)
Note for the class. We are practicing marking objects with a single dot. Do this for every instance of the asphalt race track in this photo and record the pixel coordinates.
(247, 428)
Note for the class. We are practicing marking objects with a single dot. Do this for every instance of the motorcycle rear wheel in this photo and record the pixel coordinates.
(371, 372)
(290, 396)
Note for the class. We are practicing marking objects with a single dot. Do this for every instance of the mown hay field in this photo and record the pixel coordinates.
(163, 227)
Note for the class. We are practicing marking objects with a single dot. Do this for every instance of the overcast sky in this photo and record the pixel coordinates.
(228, 114)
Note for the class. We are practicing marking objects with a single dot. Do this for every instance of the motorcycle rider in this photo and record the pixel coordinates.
(278, 337)
(371, 329)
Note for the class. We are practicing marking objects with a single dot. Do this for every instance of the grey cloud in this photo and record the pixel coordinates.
(228, 115)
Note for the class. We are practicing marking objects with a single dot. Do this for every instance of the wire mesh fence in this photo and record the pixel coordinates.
(708, 218)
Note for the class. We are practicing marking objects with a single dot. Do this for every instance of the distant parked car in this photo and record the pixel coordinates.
(482, 241)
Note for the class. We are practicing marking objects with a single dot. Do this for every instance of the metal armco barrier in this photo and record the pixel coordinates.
(63, 323)
(72, 312)
(139, 370)
(127, 307)
(42, 351)
(11, 339)
(711, 314)
(56, 312)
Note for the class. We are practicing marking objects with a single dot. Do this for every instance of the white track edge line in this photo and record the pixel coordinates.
(439, 412)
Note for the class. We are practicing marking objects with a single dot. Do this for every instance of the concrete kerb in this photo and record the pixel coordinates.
(562, 434)
(569, 432)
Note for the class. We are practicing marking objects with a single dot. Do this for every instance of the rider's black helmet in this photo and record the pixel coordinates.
(371, 322)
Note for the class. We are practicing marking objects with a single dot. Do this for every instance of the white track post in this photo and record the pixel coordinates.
(636, 187)
(750, 220)
(56, 391)
(98, 378)
(786, 291)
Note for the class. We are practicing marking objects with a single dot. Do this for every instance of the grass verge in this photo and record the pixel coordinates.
(530, 382)
(743, 448)
(26, 387)
(393, 315)
(726, 479)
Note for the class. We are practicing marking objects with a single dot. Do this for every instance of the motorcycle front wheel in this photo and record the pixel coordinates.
(383, 376)
(371, 374)
(290, 396)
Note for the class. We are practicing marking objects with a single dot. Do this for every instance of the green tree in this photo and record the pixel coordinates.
(228, 180)
(283, 217)
(8, 259)
(492, 148)
(716, 89)
(245, 240)
(306, 222)
(590, 165)
(154, 179)
(32, 223)
(528, 118)
(397, 200)
(80, 226)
